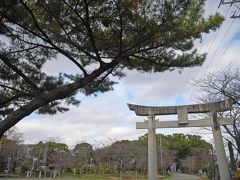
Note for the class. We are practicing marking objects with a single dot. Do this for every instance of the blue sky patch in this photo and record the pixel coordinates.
(130, 96)
(180, 101)
(236, 37)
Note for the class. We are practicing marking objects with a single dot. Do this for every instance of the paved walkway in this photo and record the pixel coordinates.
(179, 176)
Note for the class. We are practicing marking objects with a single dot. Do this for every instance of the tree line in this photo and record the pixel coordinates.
(189, 152)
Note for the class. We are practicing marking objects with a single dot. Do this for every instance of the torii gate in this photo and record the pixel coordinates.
(183, 121)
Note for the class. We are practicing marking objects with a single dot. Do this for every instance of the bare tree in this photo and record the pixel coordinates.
(11, 150)
(224, 85)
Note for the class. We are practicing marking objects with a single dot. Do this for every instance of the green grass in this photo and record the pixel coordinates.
(90, 177)
(104, 177)
(82, 177)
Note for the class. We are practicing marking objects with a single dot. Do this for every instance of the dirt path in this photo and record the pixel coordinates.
(178, 176)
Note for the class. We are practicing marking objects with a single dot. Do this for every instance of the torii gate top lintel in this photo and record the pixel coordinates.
(218, 106)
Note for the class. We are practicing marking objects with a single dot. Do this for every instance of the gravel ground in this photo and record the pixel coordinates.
(178, 176)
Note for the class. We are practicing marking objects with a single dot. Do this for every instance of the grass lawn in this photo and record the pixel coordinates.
(83, 177)
(111, 177)
(90, 177)
(106, 177)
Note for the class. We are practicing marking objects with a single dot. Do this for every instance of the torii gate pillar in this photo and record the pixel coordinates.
(220, 151)
(152, 149)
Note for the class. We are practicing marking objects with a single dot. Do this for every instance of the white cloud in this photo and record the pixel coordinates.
(108, 116)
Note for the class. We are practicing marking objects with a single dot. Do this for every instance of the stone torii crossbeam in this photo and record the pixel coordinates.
(183, 121)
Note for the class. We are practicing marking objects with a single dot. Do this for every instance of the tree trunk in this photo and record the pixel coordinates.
(238, 144)
(232, 160)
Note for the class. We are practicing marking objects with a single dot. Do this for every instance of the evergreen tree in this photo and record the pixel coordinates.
(99, 37)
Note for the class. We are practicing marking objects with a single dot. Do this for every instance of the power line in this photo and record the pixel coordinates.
(232, 2)
(186, 96)
(220, 44)
(208, 50)
(222, 2)
(227, 48)
(190, 72)
(217, 50)
(211, 45)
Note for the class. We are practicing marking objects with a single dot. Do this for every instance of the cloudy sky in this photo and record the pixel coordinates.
(107, 115)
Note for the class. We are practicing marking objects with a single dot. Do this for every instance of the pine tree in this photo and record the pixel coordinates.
(99, 37)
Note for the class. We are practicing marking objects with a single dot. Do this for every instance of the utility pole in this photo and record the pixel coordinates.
(45, 154)
(231, 2)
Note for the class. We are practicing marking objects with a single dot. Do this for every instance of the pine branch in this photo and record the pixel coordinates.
(13, 98)
(48, 40)
(171, 64)
(87, 25)
(90, 33)
(142, 40)
(7, 61)
(23, 50)
(71, 41)
(11, 88)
